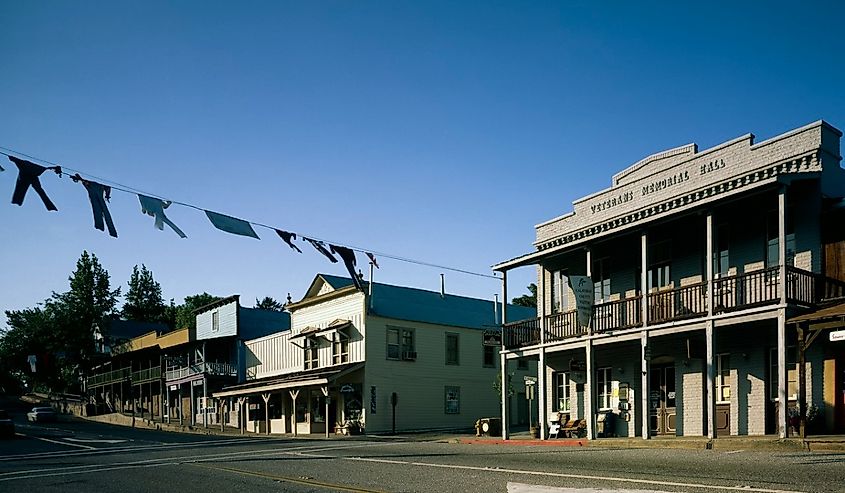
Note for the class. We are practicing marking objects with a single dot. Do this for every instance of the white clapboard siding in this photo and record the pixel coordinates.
(227, 322)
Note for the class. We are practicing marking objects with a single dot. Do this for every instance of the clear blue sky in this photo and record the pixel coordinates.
(439, 131)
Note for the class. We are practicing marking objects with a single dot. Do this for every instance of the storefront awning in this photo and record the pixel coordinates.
(832, 316)
(338, 325)
(296, 380)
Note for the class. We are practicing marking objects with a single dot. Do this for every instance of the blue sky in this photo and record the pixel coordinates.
(437, 131)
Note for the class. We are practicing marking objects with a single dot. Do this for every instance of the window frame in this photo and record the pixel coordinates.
(562, 386)
(405, 350)
(604, 387)
(723, 378)
(560, 291)
(310, 353)
(492, 350)
(456, 359)
(215, 321)
(792, 376)
(340, 348)
(456, 392)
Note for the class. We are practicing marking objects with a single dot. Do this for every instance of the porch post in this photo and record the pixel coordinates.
(180, 405)
(205, 401)
(589, 392)
(167, 394)
(325, 390)
(782, 380)
(644, 362)
(802, 383)
(266, 398)
(504, 362)
(709, 396)
(191, 405)
(293, 395)
(542, 411)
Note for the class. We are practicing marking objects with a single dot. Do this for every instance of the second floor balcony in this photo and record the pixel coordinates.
(730, 294)
(208, 368)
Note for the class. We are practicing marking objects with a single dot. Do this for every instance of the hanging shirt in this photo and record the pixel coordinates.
(287, 237)
(98, 194)
(155, 207)
(372, 259)
(321, 247)
(348, 256)
(32, 359)
(231, 224)
(28, 173)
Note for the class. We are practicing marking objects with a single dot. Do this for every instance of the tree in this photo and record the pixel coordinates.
(529, 300)
(143, 300)
(185, 317)
(268, 303)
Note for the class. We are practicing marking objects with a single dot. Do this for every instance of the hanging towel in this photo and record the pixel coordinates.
(321, 247)
(287, 237)
(231, 224)
(155, 207)
(28, 173)
(372, 259)
(98, 194)
(348, 256)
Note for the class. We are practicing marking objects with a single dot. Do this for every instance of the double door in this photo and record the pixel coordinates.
(661, 400)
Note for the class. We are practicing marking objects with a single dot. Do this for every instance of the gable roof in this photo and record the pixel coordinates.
(420, 305)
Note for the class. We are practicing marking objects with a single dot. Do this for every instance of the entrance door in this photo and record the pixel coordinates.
(521, 409)
(662, 400)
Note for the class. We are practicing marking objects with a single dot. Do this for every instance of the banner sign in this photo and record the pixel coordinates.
(492, 338)
(582, 286)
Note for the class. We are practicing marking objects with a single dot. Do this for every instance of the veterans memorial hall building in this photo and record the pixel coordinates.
(716, 280)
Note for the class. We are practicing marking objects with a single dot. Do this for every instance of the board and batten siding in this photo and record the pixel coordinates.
(276, 354)
(227, 322)
(420, 385)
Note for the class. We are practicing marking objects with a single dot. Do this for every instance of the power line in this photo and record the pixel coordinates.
(132, 190)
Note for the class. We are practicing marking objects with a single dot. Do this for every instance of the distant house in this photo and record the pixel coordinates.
(402, 359)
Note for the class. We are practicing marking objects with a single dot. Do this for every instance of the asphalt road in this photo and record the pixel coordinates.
(85, 456)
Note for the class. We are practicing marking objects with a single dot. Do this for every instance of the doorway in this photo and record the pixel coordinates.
(661, 400)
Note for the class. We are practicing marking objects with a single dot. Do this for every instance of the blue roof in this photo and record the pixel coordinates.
(420, 305)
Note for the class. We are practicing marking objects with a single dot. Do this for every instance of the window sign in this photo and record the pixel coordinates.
(453, 400)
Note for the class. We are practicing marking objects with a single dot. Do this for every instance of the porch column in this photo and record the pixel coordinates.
(180, 405)
(141, 399)
(266, 398)
(589, 273)
(167, 396)
(293, 395)
(241, 415)
(542, 411)
(802, 383)
(782, 398)
(644, 361)
(191, 405)
(709, 396)
(504, 362)
(644, 276)
(589, 392)
(325, 390)
(204, 401)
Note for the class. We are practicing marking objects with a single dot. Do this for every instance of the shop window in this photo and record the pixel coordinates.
(489, 360)
(723, 378)
(560, 292)
(318, 407)
(452, 349)
(400, 344)
(791, 374)
(562, 392)
(340, 348)
(453, 400)
(310, 352)
(522, 364)
(603, 387)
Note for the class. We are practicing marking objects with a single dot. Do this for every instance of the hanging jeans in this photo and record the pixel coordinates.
(97, 194)
(28, 173)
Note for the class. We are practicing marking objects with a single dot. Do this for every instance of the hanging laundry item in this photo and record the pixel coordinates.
(155, 207)
(231, 224)
(32, 359)
(348, 256)
(321, 247)
(28, 173)
(287, 237)
(98, 194)
(2, 169)
(372, 259)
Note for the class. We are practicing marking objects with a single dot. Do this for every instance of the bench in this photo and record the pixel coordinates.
(574, 428)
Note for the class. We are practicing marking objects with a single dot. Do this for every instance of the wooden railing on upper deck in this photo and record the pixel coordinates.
(521, 333)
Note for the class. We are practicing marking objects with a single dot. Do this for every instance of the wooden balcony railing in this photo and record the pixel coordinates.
(560, 326)
(619, 314)
(678, 304)
(210, 368)
(522, 333)
(108, 377)
(747, 290)
(146, 375)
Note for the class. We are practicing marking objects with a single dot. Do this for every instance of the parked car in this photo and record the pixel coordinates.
(39, 414)
(7, 426)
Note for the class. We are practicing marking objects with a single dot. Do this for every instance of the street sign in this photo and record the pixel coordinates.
(838, 335)
(530, 380)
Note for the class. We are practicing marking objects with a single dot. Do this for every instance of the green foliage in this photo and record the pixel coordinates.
(143, 300)
(268, 303)
(185, 312)
(529, 300)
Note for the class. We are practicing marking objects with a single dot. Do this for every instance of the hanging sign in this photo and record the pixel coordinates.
(492, 338)
(838, 335)
(582, 286)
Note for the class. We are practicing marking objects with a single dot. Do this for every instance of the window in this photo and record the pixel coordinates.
(562, 397)
(560, 292)
(310, 352)
(723, 378)
(603, 386)
(215, 321)
(601, 279)
(453, 400)
(721, 257)
(772, 246)
(791, 374)
(340, 348)
(489, 356)
(658, 272)
(452, 356)
(400, 344)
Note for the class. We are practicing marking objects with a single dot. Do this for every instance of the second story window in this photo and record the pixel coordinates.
(310, 350)
(772, 244)
(601, 279)
(400, 344)
(340, 348)
(215, 321)
(658, 272)
(452, 349)
(560, 292)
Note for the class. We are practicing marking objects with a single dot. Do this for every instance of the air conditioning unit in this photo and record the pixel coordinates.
(409, 355)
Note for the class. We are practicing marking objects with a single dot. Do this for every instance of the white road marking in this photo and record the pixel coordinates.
(733, 452)
(80, 440)
(536, 488)
(64, 443)
(576, 476)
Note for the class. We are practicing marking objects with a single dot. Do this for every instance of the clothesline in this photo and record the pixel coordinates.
(154, 205)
